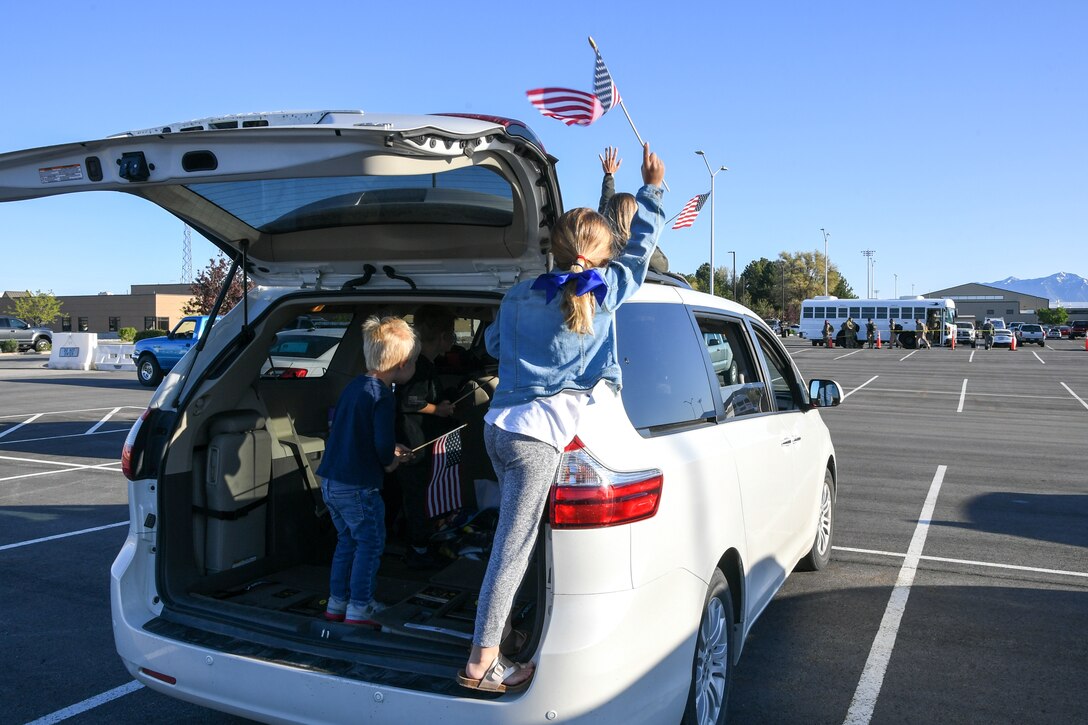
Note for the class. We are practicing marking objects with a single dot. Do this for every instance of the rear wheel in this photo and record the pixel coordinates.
(148, 370)
(820, 553)
(41, 344)
(712, 669)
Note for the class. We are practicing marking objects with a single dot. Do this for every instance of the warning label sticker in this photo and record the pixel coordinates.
(51, 175)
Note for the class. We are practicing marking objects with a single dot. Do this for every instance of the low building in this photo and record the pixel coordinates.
(146, 307)
(983, 300)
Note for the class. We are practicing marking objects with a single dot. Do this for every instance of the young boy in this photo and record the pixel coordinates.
(361, 448)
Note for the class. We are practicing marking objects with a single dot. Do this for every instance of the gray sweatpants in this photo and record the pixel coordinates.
(525, 468)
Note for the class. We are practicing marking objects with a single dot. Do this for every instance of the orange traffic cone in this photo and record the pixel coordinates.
(953, 341)
(878, 341)
(831, 341)
(1086, 344)
(1012, 345)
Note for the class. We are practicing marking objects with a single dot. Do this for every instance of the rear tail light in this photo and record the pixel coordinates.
(588, 495)
(283, 373)
(127, 460)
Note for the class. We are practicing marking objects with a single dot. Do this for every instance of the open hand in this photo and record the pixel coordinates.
(610, 160)
(653, 168)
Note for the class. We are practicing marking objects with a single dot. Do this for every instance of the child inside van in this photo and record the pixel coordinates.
(555, 341)
(360, 450)
(425, 415)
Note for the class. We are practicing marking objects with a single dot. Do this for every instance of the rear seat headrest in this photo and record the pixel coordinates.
(239, 421)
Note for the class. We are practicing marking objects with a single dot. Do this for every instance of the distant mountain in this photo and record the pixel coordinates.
(1058, 288)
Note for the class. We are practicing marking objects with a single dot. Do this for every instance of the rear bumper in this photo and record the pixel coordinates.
(603, 658)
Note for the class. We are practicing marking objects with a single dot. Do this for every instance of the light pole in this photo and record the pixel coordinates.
(869, 280)
(826, 235)
(712, 175)
(895, 289)
(734, 276)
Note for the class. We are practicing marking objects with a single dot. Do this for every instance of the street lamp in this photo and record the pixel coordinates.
(712, 175)
(826, 235)
(734, 276)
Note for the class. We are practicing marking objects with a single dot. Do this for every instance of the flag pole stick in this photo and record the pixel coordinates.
(593, 44)
(441, 436)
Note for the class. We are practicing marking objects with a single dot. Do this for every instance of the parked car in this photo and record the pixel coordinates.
(677, 513)
(156, 356)
(1003, 338)
(27, 336)
(1078, 328)
(1031, 332)
(302, 353)
(1065, 331)
(965, 333)
(1053, 333)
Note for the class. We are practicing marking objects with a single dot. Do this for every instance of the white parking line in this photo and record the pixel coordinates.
(1038, 358)
(963, 394)
(88, 704)
(99, 424)
(17, 426)
(967, 562)
(847, 395)
(69, 435)
(872, 677)
(798, 352)
(840, 357)
(39, 460)
(1075, 395)
(906, 356)
(972, 358)
(60, 412)
(18, 544)
(100, 466)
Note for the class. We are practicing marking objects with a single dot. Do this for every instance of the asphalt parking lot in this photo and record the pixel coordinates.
(958, 589)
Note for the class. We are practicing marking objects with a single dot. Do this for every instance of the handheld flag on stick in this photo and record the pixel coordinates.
(444, 489)
(603, 85)
(574, 108)
(687, 215)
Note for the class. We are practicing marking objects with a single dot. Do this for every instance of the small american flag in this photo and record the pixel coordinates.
(566, 105)
(444, 490)
(687, 215)
(604, 86)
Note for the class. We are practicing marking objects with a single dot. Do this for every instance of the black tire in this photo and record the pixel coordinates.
(41, 343)
(820, 553)
(148, 371)
(734, 373)
(712, 666)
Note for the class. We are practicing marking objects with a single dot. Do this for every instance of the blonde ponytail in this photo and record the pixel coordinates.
(581, 235)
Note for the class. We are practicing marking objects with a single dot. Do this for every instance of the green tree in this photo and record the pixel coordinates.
(206, 286)
(760, 282)
(1056, 316)
(723, 281)
(843, 290)
(38, 308)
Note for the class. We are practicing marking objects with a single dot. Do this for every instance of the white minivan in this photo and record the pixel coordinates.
(677, 512)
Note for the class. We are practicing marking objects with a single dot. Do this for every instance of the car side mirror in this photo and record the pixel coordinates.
(824, 393)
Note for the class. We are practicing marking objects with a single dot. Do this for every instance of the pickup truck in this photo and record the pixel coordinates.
(155, 356)
(38, 338)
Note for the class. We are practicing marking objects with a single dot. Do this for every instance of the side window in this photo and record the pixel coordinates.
(734, 371)
(785, 386)
(664, 374)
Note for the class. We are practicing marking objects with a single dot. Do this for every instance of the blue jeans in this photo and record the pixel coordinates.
(359, 517)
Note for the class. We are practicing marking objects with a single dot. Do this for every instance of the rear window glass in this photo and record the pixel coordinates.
(297, 354)
(665, 380)
(473, 195)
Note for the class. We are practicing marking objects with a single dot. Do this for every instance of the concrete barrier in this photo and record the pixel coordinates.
(114, 357)
(73, 350)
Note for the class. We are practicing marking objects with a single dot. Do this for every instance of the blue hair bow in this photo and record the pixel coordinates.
(589, 280)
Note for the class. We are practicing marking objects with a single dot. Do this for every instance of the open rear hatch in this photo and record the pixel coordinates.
(324, 198)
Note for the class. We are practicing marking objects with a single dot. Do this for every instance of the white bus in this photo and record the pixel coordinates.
(938, 315)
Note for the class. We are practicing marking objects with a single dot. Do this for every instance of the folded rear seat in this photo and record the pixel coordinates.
(236, 477)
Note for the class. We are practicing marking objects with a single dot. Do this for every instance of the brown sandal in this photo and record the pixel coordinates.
(494, 680)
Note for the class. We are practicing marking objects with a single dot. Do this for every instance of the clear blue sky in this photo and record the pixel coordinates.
(949, 137)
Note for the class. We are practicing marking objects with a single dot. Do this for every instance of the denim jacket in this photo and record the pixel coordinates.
(538, 356)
